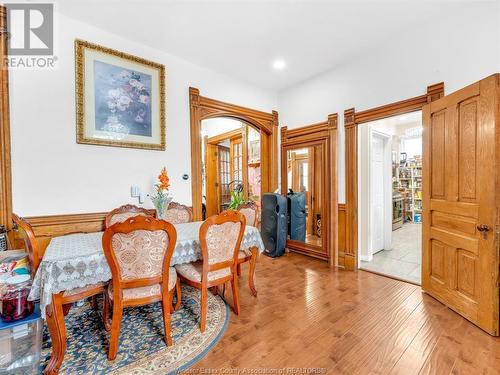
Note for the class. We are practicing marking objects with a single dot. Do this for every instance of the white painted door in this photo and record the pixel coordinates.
(377, 193)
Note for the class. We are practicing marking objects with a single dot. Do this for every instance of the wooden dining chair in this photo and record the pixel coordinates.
(61, 302)
(178, 213)
(220, 241)
(122, 213)
(251, 212)
(138, 252)
(26, 233)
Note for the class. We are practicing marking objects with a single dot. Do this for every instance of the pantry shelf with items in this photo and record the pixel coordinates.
(407, 180)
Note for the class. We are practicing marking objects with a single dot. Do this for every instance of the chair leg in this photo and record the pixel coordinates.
(166, 304)
(251, 272)
(57, 330)
(95, 306)
(105, 311)
(170, 297)
(203, 308)
(115, 330)
(238, 269)
(236, 298)
(178, 294)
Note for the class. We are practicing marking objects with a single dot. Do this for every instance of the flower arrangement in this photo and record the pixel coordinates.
(162, 198)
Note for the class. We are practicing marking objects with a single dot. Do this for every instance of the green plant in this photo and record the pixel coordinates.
(237, 200)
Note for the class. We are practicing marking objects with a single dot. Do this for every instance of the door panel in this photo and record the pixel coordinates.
(212, 198)
(460, 262)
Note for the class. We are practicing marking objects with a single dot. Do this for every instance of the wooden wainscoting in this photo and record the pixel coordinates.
(46, 227)
(341, 233)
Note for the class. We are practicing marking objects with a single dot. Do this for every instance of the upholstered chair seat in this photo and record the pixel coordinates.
(242, 254)
(193, 271)
(83, 289)
(146, 291)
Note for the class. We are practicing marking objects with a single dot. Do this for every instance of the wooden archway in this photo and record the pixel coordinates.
(202, 108)
(351, 121)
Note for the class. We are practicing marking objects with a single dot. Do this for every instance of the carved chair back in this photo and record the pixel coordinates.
(178, 213)
(26, 232)
(138, 252)
(124, 212)
(220, 240)
(250, 210)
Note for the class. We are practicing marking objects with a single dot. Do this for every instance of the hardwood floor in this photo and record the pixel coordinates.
(340, 322)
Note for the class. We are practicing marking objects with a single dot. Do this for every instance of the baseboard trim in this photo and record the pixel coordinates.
(366, 258)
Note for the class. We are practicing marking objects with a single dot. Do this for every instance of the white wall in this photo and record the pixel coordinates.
(459, 50)
(52, 174)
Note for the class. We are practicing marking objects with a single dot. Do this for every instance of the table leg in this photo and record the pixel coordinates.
(251, 271)
(57, 330)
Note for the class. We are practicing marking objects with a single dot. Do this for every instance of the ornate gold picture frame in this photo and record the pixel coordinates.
(120, 98)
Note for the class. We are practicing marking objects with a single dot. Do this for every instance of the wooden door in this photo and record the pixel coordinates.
(211, 199)
(224, 177)
(461, 190)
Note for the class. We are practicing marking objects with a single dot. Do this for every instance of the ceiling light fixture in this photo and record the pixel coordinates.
(279, 64)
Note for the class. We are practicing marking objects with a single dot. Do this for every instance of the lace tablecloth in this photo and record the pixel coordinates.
(77, 260)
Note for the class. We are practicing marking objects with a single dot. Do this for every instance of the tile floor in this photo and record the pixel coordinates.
(405, 257)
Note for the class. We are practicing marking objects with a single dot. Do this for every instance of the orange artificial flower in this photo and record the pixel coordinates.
(164, 180)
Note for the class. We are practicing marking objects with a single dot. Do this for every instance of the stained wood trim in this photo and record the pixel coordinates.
(5, 158)
(351, 121)
(202, 108)
(233, 134)
(404, 106)
(47, 227)
(322, 134)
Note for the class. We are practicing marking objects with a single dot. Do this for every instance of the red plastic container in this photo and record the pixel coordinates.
(14, 298)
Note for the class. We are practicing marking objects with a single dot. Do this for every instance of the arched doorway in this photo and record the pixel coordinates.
(202, 108)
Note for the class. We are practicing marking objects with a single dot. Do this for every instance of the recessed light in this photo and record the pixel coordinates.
(279, 64)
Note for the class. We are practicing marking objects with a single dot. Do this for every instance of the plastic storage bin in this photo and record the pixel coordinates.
(21, 344)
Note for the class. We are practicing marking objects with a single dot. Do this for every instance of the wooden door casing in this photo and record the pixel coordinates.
(353, 119)
(460, 193)
(202, 108)
(324, 136)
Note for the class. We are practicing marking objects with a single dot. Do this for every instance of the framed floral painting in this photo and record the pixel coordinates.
(120, 98)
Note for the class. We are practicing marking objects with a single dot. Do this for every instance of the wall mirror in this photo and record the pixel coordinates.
(309, 181)
(304, 186)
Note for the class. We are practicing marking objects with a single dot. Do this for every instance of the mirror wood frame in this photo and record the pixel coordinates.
(324, 135)
(202, 108)
(351, 121)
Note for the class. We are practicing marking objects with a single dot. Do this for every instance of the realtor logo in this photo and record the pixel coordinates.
(31, 29)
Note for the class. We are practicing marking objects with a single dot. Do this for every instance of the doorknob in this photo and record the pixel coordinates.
(482, 227)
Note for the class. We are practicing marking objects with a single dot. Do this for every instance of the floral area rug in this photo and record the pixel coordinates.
(141, 349)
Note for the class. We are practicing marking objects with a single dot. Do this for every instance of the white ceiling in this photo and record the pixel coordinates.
(242, 38)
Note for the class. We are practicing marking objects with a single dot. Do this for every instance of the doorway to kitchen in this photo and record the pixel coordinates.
(390, 196)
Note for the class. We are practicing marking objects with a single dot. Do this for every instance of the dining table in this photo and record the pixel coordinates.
(74, 261)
